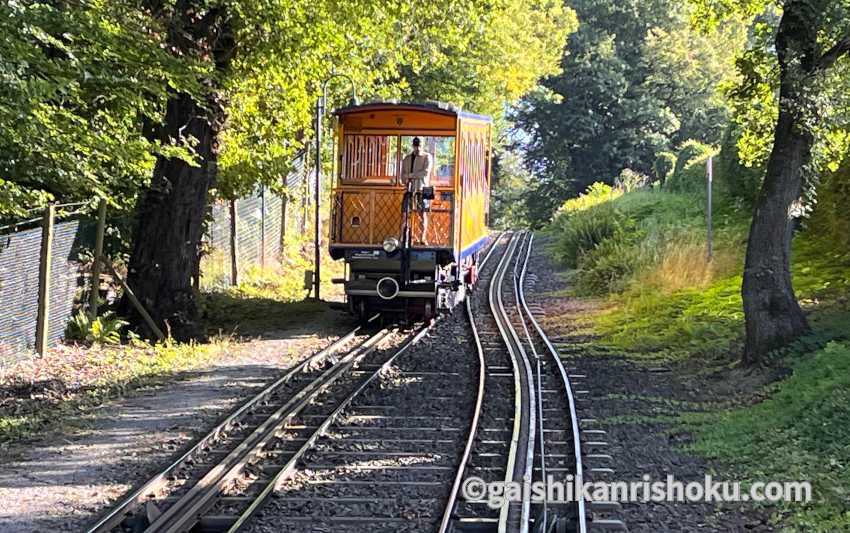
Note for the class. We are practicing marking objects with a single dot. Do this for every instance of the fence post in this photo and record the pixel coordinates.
(284, 198)
(94, 293)
(305, 188)
(41, 328)
(234, 266)
(262, 226)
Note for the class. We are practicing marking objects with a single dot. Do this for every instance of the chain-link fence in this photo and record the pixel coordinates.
(257, 225)
(56, 246)
(24, 260)
(257, 231)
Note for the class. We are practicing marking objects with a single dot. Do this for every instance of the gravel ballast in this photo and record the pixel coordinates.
(637, 404)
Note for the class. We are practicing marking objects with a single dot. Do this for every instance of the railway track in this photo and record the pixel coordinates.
(391, 462)
(177, 497)
(504, 436)
(375, 433)
(558, 454)
(570, 447)
(547, 438)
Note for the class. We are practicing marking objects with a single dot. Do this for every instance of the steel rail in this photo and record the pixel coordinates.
(491, 249)
(518, 357)
(495, 292)
(532, 400)
(184, 514)
(289, 468)
(116, 514)
(479, 401)
(519, 279)
(574, 423)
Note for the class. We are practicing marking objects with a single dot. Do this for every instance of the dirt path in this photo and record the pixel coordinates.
(64, 479)
(637, 405)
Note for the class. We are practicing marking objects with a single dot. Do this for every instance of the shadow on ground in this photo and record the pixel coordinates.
(270, 319)
(62, 480)
(70, 472)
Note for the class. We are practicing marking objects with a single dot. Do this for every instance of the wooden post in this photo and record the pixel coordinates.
(94, 293)
(234, 266)
(262, 226)
(284, 199)
(305, 189)
(41, 328)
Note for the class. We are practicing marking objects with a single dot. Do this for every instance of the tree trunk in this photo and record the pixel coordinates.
(170, 214)
(773, 316)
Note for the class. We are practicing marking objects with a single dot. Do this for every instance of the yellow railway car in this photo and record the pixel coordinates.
(394, 265)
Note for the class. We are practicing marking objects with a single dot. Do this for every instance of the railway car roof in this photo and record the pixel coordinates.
(432, 107)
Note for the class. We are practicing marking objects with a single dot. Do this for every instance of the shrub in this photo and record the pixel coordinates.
(583, 231)
(629, 180)
(608, 267)
(105, 329)
(689, 172)
(610, 241)
(595, 194)
(663, 167)
(736, 181)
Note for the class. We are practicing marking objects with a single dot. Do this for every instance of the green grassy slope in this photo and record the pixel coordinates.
(644, 254)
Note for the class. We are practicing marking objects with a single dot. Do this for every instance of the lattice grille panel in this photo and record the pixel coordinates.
(439, 225)
(378, 216)
(387, 216)
(355, 217)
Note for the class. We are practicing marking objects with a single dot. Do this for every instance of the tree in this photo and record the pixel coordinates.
(485, 61)
(266, 59)
(772, 314)
(75, 80)
(510, 185)
(686, 69)
(636, 81)
(801, 100)
(171, 212)
(810, 45)
(161, 105)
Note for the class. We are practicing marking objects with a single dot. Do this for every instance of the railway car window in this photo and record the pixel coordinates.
(442, 149)
(369, 158)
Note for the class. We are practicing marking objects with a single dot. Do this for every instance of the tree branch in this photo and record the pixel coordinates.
(834, 54)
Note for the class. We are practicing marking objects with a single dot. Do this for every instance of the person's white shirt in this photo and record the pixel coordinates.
(417, 168)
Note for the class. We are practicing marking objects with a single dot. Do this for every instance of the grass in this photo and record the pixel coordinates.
(644, 254)
(232, 313)
(801, 432)
(40, 391)
(663, 316)
(267, 298)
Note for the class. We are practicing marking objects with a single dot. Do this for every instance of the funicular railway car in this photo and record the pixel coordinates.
(410, 247)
